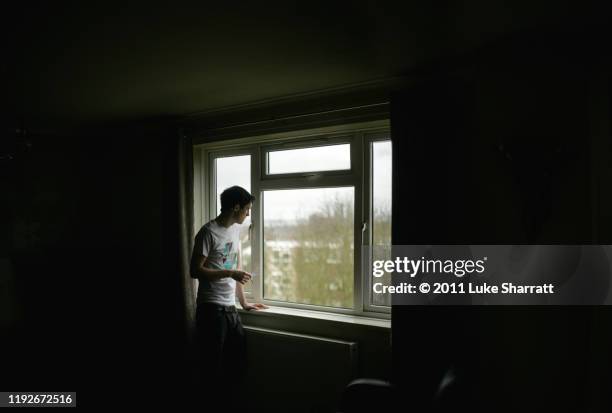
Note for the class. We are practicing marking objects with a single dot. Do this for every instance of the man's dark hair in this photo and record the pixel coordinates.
(235, 195)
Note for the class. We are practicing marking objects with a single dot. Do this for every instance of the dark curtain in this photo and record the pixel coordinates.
(186, 236)
(185, 175)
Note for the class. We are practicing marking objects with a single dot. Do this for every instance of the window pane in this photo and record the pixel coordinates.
(381, 212)
(230, 171)
(308, 246)
(320, 158)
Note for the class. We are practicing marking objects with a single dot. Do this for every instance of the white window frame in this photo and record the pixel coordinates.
(359, 135)
(368, 199)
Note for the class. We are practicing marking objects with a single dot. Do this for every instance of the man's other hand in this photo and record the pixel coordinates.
(241, 276)
(256, 307)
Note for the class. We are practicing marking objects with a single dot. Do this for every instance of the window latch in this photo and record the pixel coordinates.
(364, 227)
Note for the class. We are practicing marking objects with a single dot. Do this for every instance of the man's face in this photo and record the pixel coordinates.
(243, 212)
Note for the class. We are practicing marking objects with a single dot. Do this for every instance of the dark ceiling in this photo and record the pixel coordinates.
(83, 63)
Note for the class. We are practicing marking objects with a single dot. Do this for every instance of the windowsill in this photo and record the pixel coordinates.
(341, 318)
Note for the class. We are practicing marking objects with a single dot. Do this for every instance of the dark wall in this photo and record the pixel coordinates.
(500, 147)
(92, 247)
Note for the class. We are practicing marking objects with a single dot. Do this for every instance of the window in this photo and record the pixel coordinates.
(381, 212)
(323, 198)
(320, 158)
(230, 171)
(313, 230)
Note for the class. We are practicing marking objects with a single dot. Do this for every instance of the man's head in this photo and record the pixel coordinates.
(237, 201)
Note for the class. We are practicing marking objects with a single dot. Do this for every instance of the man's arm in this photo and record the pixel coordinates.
(241, 296)
(243, 301)
(199, 270)
(240, 289)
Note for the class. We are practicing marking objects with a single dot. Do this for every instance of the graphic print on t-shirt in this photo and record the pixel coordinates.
(229, 257)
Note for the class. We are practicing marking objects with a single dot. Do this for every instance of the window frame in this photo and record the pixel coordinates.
(359, 135)
(330, 140)
(368, 181)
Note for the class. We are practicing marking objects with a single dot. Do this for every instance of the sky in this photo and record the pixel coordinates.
(291, 204)
(327, 158)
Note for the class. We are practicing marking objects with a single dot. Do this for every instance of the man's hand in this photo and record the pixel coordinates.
(241, 276)
(256, 307)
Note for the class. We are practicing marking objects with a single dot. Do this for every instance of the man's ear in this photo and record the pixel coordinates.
(236, 208)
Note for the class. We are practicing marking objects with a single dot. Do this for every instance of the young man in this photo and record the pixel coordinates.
(215, 263)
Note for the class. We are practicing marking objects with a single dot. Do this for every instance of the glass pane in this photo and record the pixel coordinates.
(308, 246)
(319, 158)
(230, 171)
(381, 212)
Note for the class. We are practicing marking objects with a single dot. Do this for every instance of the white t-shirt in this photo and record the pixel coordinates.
(220, 246)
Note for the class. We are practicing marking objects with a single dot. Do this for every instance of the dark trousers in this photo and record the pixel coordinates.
(222, 351)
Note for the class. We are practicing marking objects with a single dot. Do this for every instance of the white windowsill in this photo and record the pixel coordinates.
(342, 318)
